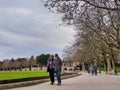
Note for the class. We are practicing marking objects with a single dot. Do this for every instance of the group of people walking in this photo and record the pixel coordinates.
(54, 65)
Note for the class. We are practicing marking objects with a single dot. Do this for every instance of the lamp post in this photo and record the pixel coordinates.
(95, 62)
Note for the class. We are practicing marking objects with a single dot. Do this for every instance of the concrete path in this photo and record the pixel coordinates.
(83, 82)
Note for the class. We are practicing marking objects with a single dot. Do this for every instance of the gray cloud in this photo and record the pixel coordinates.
(27, 28)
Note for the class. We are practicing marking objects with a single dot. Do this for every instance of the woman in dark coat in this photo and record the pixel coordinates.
(51, 68)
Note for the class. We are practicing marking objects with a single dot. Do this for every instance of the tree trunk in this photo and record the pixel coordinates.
(99, 67)
(30, 68)
(109, 68)
(15, 69)
(114, 68)
(83, 66)
(105, 66)
(20, 68)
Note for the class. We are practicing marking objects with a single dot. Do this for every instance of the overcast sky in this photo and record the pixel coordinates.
(27, 28)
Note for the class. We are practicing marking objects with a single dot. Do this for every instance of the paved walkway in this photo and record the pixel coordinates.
(83, 82)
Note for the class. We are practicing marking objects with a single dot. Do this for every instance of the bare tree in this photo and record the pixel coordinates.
(11, 64)
(5, 65)
(0, 65)
(32, 62)
(96, 22)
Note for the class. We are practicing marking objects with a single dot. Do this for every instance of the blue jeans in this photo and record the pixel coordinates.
(58, 76)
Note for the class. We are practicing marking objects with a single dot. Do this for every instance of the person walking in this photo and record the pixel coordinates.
(95, 68)
(58, 68)
(51, 68)
(92, 69)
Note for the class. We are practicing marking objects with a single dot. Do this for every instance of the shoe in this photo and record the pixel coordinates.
(59, 84)
(51, 83)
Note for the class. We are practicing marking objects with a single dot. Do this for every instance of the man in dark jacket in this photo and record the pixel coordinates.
(58, 68)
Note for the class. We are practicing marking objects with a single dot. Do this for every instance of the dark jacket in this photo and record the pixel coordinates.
(58, 64)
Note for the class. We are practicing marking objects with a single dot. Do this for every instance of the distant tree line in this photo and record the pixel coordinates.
(22, 63)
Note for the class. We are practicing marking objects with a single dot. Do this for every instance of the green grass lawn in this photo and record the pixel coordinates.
(22, 74)
(118, 69)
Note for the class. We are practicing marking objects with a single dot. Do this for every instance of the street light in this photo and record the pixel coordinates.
(107, 55)
(94, 60)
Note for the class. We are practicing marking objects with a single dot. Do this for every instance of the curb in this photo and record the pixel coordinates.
(28, 83)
